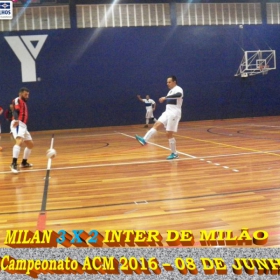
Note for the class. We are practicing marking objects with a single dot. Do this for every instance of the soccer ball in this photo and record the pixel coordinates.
(51, 153)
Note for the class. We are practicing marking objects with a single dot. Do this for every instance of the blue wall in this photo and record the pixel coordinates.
(90, 77)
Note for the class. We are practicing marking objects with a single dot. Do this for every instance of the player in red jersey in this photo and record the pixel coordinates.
(19, 130)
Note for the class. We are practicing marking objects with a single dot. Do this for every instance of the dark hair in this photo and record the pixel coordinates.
(174, 79)
(24, 89)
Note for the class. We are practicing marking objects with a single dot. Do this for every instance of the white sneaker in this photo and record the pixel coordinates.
(14, 168)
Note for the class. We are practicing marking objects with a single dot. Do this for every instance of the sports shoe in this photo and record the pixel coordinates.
(14, 168)
(173, 156)
(146, 125)
(140, 140)
(26, 165)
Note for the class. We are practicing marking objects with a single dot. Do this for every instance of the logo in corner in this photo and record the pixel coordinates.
(6, 10)
(27, 49)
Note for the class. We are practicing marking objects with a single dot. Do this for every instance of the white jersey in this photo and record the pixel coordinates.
(149, 104)
(173, 105)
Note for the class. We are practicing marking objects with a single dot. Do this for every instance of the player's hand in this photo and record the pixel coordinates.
(15, 124)
(162, 99)
(138, 95)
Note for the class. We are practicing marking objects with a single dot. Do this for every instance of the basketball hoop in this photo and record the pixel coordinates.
(256, 62)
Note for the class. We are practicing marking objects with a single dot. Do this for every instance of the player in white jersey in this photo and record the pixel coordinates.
(150, 107)
(170, 118)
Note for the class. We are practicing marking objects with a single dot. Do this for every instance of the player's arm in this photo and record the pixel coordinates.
(175, 95)
(16, 115)
(139, 98)
(1, 110)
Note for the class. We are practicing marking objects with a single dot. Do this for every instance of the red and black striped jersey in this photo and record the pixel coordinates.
(21, 107)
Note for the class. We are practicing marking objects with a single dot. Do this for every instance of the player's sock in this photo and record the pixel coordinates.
(149, 134)
(16, 151)
(147, 121)
(172, 145)
(26, 154)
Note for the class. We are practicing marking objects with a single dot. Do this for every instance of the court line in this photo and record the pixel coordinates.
(98, 165)
(245, 134)
(135, 162)
(227, 145)
(221, 126)
(42, 217)
(89, 135)
(263, 125)
(160, 146)
(149, 201)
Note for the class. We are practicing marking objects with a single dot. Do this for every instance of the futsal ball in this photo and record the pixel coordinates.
(51, 153)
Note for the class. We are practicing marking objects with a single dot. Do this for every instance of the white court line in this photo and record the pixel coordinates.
(181, 153)
(80, 136)
(202, 158)
(224, 126)
(131, 211)
(98, 165)
(89, 135)
(264, 125)
(241, 154)
(241, 124)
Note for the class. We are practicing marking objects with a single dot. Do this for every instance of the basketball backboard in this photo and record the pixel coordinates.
(256, 62)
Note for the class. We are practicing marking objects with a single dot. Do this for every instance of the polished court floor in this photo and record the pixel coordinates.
(227, 177)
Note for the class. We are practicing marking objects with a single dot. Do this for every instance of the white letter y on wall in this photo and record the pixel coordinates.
(26, 52)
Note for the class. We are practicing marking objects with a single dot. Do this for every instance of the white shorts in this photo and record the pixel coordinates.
(169, 121)
(20, 131)
(149, 114)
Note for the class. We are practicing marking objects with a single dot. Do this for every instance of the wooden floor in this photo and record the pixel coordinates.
(227, 177)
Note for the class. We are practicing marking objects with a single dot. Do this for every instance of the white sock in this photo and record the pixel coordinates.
(26, 153)
(147, 121)
(172, 145)
(149, 134)
(16, 151)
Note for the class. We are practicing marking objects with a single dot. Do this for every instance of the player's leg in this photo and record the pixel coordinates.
(147, 123)
(172, 126)
(16, 151)
(27, 151)
(161, 122)
(18, 132)
(152, 117)
(148, 116)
